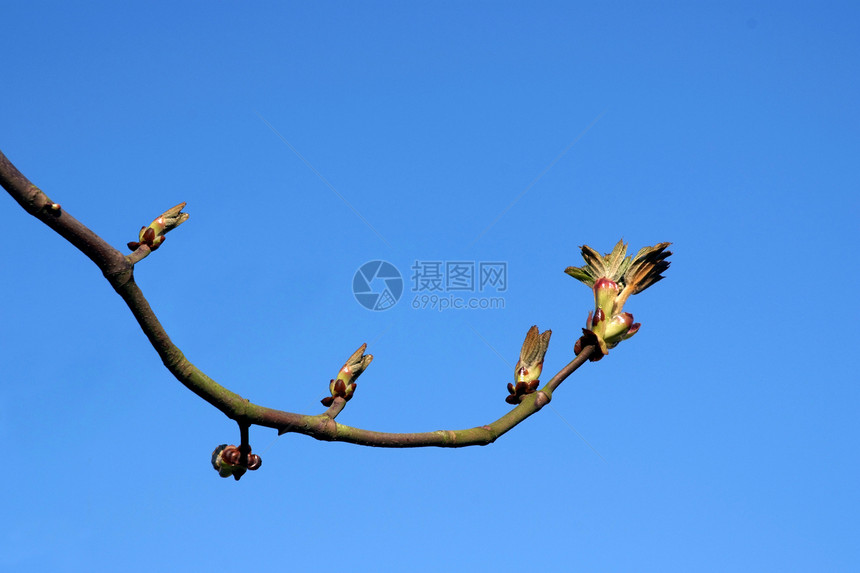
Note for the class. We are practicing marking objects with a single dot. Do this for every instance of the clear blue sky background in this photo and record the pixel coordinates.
(723, 437)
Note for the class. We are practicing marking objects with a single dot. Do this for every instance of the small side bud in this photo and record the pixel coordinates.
(227, 461)
(617, 328)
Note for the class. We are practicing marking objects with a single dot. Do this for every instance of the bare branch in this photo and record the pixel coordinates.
(119, 271)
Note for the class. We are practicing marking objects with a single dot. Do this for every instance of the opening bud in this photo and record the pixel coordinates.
(532, 353)
(529, 366)
(153, 235)
(344, 384)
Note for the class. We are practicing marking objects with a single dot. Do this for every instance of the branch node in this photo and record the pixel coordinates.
(542, 398)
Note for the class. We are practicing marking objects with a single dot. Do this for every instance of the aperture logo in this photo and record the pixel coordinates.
(377, 285)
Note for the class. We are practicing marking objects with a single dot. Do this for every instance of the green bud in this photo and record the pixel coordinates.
(153, 235)
(617, 328)
(605, 292)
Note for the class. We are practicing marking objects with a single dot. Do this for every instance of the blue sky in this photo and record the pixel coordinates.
(722, 437)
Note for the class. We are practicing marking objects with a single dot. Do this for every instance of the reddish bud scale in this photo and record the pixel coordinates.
(339, 388)
(589, 338)
(227, 460)
(521, 389)
(231, 455)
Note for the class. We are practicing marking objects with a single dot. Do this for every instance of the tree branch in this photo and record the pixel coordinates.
(118, 269)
